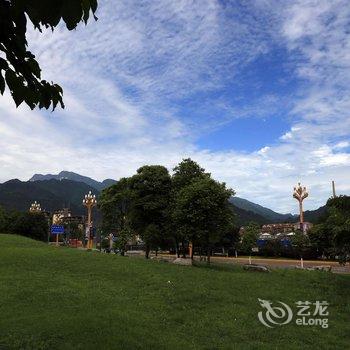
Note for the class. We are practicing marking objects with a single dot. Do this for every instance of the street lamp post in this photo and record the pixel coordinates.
(300, 194)
(35, 207)
(89, 201)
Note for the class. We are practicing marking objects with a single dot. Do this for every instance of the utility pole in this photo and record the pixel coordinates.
(300, 194)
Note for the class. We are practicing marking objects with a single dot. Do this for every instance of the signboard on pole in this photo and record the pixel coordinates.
(57, 230)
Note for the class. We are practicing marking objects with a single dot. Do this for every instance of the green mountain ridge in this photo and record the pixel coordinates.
(67, 189)
(51, 194)
(263, 211)
(69, 175)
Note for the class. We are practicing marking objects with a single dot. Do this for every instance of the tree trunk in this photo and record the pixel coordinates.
(177, 252)
(147, 252)
(192, 251)
(208, 255)
(183, 250)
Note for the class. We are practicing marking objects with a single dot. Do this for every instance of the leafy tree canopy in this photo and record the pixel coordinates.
(18, 68)
(186, 172)
(202, 213)
(115, 202)
(33, 225)
(190, 206)
(332, 235)
(300, 242)
(250, 236)
(151, 188)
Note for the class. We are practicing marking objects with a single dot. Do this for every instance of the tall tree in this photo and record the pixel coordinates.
(115, 203)
(321, 237)
(18, 68)
(335, 226)
(151, 190)
(185, 173)
(202, 212)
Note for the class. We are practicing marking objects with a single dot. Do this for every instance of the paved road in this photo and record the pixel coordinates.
(278, 263)
(285, 263)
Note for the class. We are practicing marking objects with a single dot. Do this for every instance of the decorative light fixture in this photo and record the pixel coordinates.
(89, 202)
(35, 207)
(300, 193)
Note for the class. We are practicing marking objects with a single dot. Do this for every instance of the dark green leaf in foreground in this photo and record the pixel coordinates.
(18, 68)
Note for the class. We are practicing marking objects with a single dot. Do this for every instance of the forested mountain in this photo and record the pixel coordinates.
(244, 217)
(51, 194)
(271, 216)
(68, 175)
(314, 215)
(267, 213)
(67, 189)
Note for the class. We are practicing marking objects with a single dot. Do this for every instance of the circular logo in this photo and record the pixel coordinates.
(274, 315)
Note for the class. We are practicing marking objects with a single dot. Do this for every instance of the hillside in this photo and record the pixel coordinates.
(244, 217)
(61, 298)
(68, 175)
(55, 194)
(265, 215)
(67, 190)
(264, 212)
(51, 194)
(314, 215)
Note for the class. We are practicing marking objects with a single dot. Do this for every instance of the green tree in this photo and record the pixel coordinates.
(249, 238)
(201, 212)
(151, 188)
(272, 247)
(230, 240)
(73, 229)
(123, 237)
(115, 203)
(333, 233)
(32, 225)
(3, 220)
(185, 173)
(300, 243)
(321, 237)
(18, 67)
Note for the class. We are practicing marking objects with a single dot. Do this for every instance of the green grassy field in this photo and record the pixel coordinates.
(61, 298)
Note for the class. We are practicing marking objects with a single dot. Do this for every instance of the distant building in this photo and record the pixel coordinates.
(284, 228)
(274, 229)
(269, 231)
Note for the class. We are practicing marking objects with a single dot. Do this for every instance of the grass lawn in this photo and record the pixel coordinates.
(62, 298)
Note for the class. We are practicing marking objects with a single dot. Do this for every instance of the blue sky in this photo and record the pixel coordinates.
(256, 91)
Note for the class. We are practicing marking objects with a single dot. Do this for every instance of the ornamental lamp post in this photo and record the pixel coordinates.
(35, 207)
(89, 201)
(300, 194)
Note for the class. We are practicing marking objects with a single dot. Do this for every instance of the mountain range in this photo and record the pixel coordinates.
(266, 213)
(67, 189)
(68, 175)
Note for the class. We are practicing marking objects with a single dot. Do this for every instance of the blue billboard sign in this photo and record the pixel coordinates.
(57, 230)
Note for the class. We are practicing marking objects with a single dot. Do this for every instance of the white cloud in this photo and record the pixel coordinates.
(341, 145)
(124, 78)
